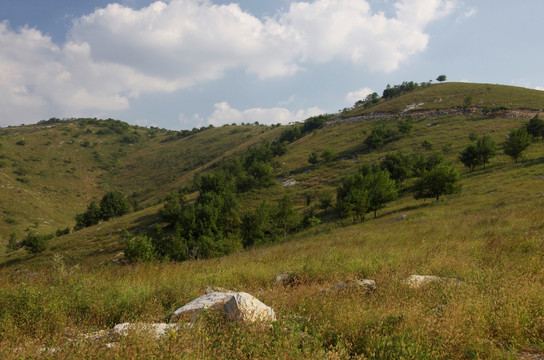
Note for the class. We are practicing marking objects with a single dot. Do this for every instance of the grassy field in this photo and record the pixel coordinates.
(487, 240)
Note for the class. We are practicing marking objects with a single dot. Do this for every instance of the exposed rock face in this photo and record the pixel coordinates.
(237, 306)
(288, 182)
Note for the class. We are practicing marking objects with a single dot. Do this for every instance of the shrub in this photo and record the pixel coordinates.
(139, 248)
(35, 243)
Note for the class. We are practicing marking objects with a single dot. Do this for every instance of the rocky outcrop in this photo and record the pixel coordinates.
(417, 281)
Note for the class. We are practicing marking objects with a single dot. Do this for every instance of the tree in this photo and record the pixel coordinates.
(405, 126)
(486, 148)
(113, 204)
(398, 166)
(34, 243)
(441, 78)
(535, 127)
(427, 145)
(286, 217)
(380, 189)
(378, 137)
(89, 218)
(517, 142)
(329, 155)
(313, 158)
(470, 157)
(352, 197)
(441, 180)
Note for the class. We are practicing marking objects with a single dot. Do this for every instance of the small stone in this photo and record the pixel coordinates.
(402, 217)
(417, 281)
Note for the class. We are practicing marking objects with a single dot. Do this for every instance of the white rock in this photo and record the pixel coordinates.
(417, 281)
(156, 330)
(245, 307)
(212, 300)
(362, 284)
(237, 306)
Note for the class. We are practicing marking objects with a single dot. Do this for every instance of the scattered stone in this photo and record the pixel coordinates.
(365, 285)
(288, 182)
(237, 306)
(402, 217)
(417, 281)
(157, 330)
(284, 279)
(245, 307)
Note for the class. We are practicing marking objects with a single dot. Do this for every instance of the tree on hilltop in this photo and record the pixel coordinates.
(441, 78)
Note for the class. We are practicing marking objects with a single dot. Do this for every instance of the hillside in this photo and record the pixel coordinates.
(486, 240)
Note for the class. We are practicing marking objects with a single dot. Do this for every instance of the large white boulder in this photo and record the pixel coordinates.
(245, 307)
(236, 305)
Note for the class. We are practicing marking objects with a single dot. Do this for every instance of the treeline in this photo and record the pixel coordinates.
(406, 86)
(296, 132)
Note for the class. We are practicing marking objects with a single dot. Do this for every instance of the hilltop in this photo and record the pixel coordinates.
(487, 238)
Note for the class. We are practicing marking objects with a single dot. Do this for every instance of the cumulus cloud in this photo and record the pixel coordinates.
(224, 114)
(360, 94)
(117, 53)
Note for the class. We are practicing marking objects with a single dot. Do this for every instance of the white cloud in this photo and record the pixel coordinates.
(539, 88)
(360, 94)
(224, 114)
(116, 53)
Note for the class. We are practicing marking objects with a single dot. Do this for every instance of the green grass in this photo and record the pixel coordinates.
(489, 238)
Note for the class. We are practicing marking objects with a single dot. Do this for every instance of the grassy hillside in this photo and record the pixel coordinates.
(487, 239)
(52, 171)
(450, 95)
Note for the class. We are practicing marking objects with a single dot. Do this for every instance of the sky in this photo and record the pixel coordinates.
(179, 64)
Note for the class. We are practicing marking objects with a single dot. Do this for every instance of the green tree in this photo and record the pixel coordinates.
(89, 218)
(441, 180)
(329, 155)
(139, 248)
(441, 78)
(405, 127)
(398, 166)
(378, 137)
(13, 244)
(535, 127)
(287, 219)
(113, 204)
(313, 158)
(35, 244)
(486, 148)
(427, 145)
(470, 157)
(380, 190)
(517, 142)
(256, 228)
(352, 197)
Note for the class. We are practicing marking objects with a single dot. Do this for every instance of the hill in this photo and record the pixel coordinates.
(487, 240)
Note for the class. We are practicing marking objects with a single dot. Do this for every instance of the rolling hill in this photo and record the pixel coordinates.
(487, 239)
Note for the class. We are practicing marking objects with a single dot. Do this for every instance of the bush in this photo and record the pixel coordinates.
(139, 248)
(113, 204)
(35, 244)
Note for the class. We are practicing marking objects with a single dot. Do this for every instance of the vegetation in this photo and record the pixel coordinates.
(517, 142)
(485, 241)
(441, 180)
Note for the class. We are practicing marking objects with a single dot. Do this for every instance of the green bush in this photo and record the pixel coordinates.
(139, 248)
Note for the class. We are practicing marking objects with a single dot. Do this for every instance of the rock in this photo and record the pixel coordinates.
(417, 281)
(237, 306)
(402, 217)
(365, 285)
(194, 308)
(284, 279)
(156, 330)
(288, 182)
(248, 308)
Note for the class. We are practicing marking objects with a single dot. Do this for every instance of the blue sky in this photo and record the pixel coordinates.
(180, 64)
